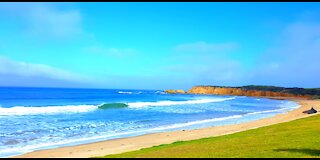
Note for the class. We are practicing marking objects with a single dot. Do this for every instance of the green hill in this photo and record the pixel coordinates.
(298, 138)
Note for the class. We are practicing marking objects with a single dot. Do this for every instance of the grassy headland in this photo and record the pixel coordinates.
(253, 90)
(298, 138)
(294, 90)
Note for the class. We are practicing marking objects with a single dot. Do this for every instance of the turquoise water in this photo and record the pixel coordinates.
(41, 118)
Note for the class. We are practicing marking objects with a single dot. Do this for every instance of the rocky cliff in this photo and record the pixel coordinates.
(239, 91)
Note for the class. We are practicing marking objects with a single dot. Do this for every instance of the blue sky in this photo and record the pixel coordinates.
(159, 45)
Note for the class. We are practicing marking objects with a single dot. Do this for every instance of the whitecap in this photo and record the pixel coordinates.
(122, 92)
(22, 110)
(169, 103)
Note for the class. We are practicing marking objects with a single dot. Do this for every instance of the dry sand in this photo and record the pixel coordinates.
(134, 143)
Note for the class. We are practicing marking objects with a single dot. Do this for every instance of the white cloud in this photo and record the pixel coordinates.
(294, 60)
(218, 72)
(207, 64)
(45, 20)
(10, 67)
(114, 52)
(204, 47)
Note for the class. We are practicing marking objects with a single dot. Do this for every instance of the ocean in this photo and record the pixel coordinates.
(42, 118)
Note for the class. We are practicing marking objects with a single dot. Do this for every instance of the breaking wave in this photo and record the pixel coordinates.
(21, 110)
(24, 110)
(112, 105)
(122, 92)
(169, 103)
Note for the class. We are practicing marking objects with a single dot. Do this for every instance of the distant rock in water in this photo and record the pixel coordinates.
(311, 111)
(113, 105)
(178, 91)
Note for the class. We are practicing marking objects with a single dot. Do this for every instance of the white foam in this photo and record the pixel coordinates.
(286, 106)
(289, 104)
(267, 111)
(30, 148)
(169, 103)
(179, 125)
(122, 92)
(21, 110)
(160, 92)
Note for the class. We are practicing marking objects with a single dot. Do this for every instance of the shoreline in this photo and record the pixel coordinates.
(121, 145)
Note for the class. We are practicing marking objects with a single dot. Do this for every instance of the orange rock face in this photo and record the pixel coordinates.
(240, 92)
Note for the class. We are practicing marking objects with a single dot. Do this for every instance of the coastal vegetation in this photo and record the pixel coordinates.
(254, 90)
(293, 90)
(316, 97)
(298, 138)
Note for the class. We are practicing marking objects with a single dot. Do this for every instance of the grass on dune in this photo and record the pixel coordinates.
(298, 138)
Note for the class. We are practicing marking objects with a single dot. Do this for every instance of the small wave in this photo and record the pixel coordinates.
(122, 92)
(169, 103)
(267, 111)
(159, 92)
(22, 110)
(179, 125)
(113, 105)
(288, 106)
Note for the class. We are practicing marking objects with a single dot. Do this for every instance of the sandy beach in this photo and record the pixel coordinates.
(134, 143)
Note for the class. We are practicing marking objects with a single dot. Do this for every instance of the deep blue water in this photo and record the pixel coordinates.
(41, 118)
